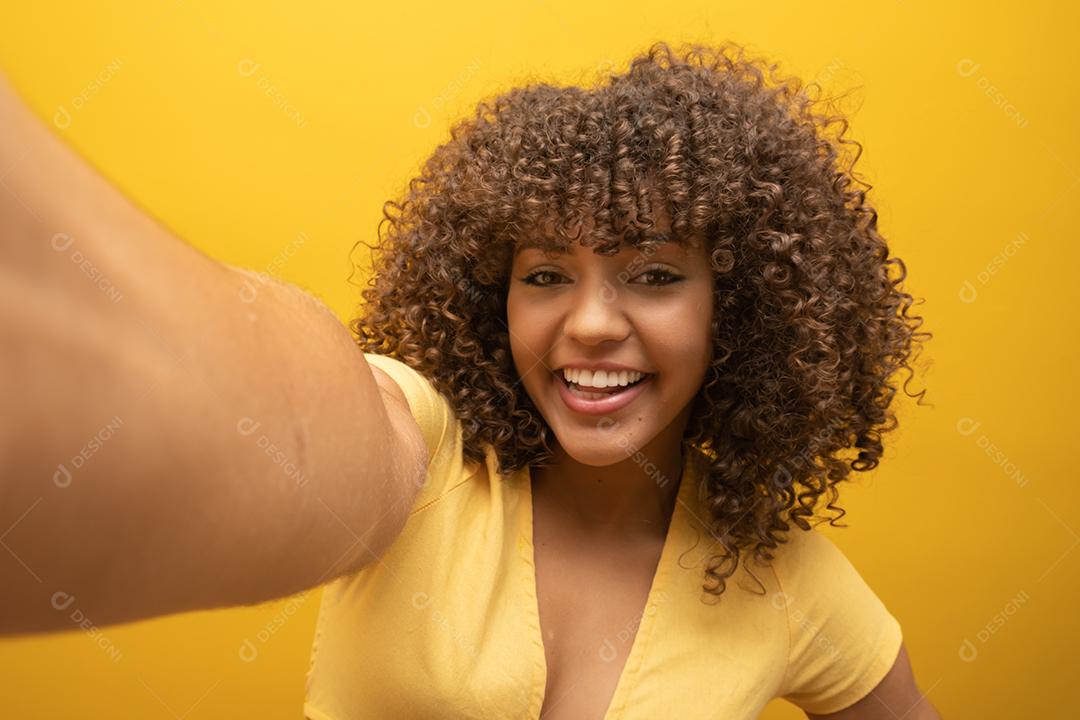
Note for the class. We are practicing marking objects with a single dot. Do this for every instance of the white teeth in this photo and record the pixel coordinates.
(587, 395)
(601, 379)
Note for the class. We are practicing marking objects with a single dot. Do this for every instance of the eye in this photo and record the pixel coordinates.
(531, 277)
(672, 278)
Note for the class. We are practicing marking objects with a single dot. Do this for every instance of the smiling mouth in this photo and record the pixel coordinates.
(591, 393)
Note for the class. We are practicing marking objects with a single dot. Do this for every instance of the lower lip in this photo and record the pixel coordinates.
(604, 405)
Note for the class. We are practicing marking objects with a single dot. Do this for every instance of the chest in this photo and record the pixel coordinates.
(591, 599)
(426, 633)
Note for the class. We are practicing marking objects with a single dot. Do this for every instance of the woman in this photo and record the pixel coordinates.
(624, 338)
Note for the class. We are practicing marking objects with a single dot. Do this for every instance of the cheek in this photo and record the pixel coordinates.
(528, 335)
(682, 331)
(681, 343)
(698, 321)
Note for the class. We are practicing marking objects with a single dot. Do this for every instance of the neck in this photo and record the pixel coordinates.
(632, 497)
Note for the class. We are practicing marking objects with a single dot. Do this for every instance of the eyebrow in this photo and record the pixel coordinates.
(537, 244)
(541, 245)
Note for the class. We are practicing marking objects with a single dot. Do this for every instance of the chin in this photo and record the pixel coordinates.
(600, 446)
(597, 457)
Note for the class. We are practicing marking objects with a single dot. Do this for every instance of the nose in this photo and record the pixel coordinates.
(596, 315)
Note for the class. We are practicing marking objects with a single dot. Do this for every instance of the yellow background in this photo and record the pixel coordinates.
(967, 531)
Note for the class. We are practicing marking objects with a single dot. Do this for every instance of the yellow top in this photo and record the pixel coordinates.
(446, 624)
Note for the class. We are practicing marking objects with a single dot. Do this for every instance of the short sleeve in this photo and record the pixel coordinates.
(438, 424)
(843, 640)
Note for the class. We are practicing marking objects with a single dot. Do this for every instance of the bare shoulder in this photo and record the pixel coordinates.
(390, 389)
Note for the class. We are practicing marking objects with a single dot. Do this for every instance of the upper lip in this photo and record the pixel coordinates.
(599, 366)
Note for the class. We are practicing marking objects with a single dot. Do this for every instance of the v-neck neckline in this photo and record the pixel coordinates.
(657, 590)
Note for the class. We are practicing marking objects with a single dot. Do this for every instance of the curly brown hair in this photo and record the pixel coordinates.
(809, 325)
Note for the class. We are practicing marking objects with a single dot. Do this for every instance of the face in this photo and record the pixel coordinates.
(650, 310)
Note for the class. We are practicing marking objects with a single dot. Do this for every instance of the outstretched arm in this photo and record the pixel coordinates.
(176, 434)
